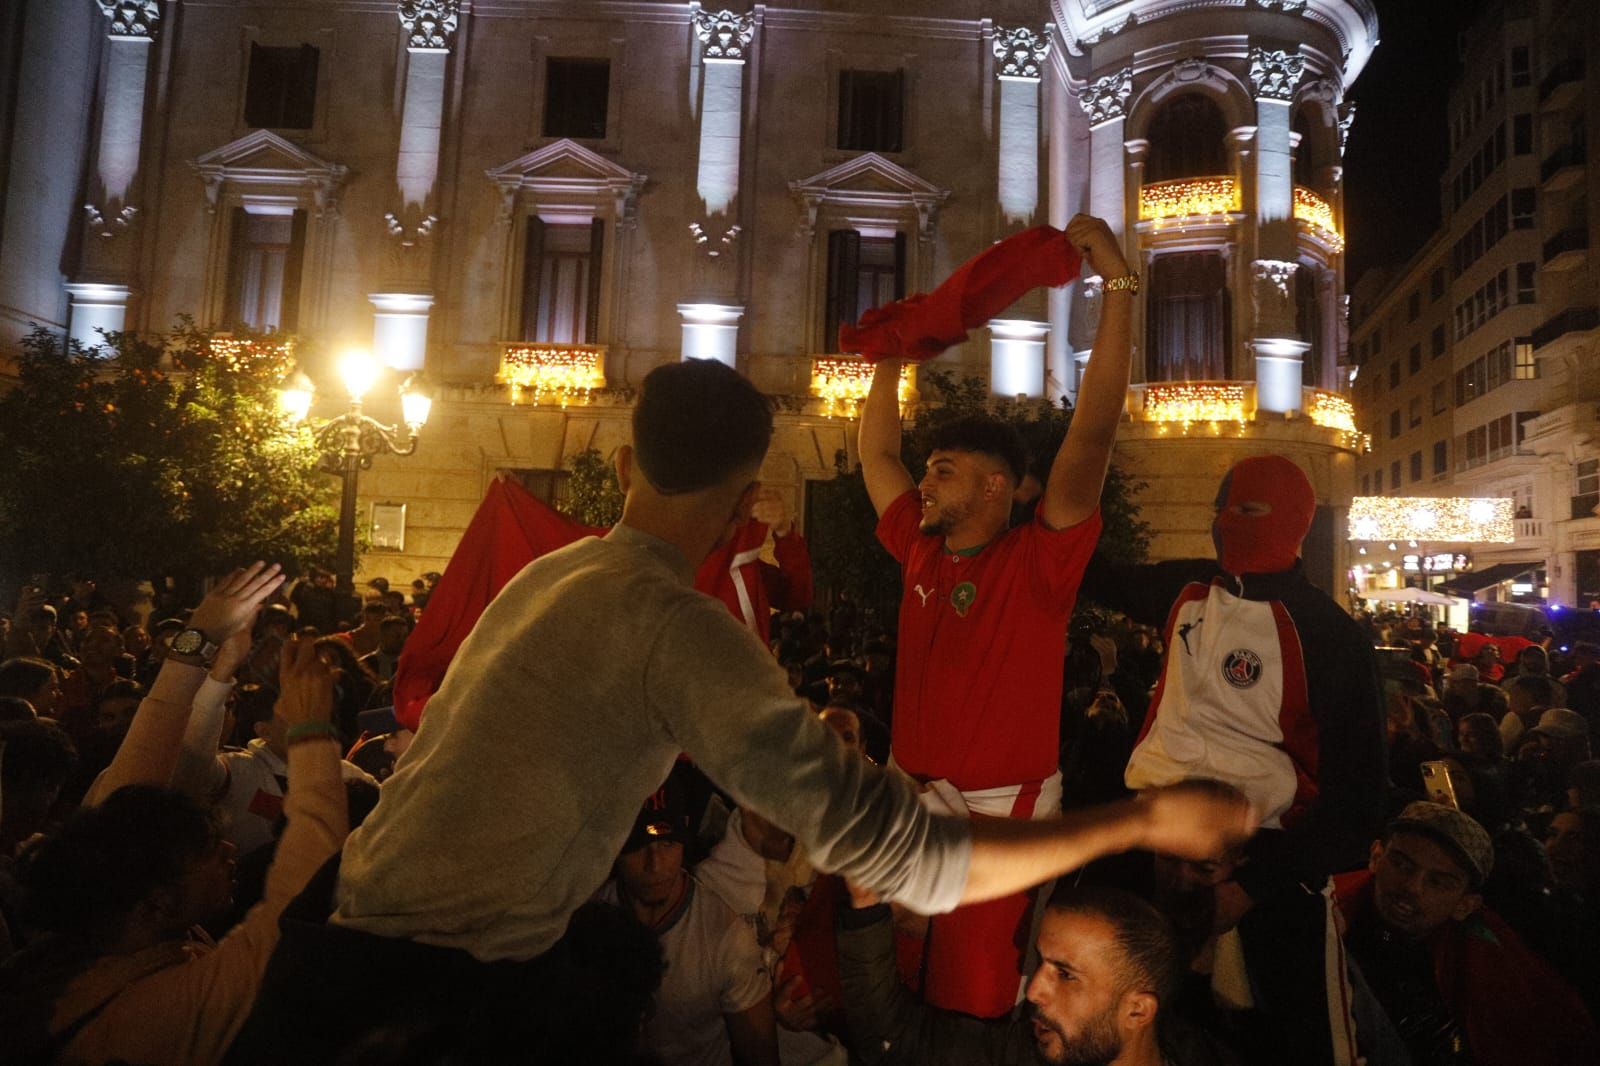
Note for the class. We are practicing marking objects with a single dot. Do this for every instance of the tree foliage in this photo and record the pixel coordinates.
(847, 557)
(593, 495)
(170, 457)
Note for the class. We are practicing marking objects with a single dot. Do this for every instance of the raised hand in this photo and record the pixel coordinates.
(1100, 247)
(772, 510)
(231, 655)
(233, 603)
(1196, 820)
(305, 684)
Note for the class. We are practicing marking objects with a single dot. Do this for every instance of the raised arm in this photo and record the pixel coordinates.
(879, 441)
(201, 773)
(1079, 470)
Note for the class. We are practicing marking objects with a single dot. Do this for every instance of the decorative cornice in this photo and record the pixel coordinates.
(133, 18)
(722, 34)
(1288, 7)
(429, 24)
(906, 191)
(1275, 73)
(547, 173)
(1106, 98)
(118, 221)
(1021, 52)
(262, 159)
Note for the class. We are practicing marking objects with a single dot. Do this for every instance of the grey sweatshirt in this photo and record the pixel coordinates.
(563, 709)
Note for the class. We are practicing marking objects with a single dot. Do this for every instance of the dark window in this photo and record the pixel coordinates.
(561, 282)
(1436, 284)
(1188, 321)
(265, 254)
(1394, 374)
(863, 273)
(1416, 466)
(1394, 474)
(1441, 457)
(1366, 484)
(1188, 139)
(1436, 342)
(1414, 307)
(576, 95)
(1522, 135)
(1414, 413)
(1440, 404)
(871, 110)
(1523, 202)
(1394, 424)
(1414, 359)
(1521, 67)
(1377, 480)
(1525, 292)
(281, 90)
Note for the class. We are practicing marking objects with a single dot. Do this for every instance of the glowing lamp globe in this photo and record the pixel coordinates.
(359, 371)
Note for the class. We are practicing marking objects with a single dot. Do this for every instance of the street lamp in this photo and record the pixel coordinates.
(347, 443)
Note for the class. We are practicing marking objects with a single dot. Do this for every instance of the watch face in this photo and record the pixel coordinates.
(189, 642)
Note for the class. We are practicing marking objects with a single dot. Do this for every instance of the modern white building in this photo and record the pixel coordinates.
(536, 201)
(1479, 373)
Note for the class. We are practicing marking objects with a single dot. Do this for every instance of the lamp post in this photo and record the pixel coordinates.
(347, 443)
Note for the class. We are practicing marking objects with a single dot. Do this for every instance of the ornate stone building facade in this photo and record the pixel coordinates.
(536, 201)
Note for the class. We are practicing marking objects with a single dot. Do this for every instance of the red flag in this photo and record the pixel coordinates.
(921, 326)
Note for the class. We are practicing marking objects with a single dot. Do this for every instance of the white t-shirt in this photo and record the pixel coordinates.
(714, 968)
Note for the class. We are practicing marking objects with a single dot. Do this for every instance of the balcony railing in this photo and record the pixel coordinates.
(1187, 402)
(1316, 214)
(553, 373)
(1572, 320)
(1189, 200)
(1572, 154)
(1529, 528)
(1561, 74)
(1575, 239)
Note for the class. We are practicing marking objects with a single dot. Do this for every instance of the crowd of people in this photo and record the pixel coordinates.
(1208, 817)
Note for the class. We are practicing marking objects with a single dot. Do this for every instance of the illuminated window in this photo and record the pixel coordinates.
(863, 273)
(281, 88)
(871, 110)
(1526, 367)
(265, 256)
(561, 282)
(1522, 135)
(576, 95)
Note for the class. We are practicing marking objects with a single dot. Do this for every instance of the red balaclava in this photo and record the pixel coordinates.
(1266, 543)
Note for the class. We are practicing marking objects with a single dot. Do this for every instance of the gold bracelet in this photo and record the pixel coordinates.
(1126, 283)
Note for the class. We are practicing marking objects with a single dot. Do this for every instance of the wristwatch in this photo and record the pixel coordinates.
(194, 643)
(1126, 283)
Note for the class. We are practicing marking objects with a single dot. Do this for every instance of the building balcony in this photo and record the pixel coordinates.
(1567, 249)
(1315, 216)
(1229, 408)
(1564, 166)
(552, 373)
(1529, 530)
(1187, 203)
(1572, 320)
(1562, 85)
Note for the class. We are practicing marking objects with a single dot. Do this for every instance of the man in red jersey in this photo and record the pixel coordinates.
(983, 617)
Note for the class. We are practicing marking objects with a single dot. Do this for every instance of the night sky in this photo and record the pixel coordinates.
(1400, 143)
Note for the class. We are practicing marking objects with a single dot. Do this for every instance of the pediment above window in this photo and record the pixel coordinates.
(265, 160)
(565, 171)
(869, 185)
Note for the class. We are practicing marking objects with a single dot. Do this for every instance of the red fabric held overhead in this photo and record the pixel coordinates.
(921, 326)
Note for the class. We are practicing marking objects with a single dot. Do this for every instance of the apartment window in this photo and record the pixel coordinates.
(1188, 325)
(1525, 292)
(1394, 474)
(1585, 488)
(863, 273)
(871, 110)
(1377, 340)
(1436, 284)
(1441, 457)
(1523, 202)
(1414, 359)
(1438, 399)
(1366, 484)
(577, 93)
(1377, 481)
(281, 89)
(1394, 423)
(561, 282)
(1436, 342)
(1416, 467)
(1522, 135)
(1414, 307)
(1526, 367)
(1394, 374)
(1521, 67)
(265, 257)
(1414, 413)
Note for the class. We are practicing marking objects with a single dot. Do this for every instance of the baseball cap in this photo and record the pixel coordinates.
(1466, 841)
(664, 816)
(1562, 723)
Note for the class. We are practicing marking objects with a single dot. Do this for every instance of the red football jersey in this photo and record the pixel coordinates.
(983, 638)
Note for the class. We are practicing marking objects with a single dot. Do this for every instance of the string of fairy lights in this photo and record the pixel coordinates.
(561, 373)
(1437, 519)
(841, 383)
(1317, 214)
(1188, 199)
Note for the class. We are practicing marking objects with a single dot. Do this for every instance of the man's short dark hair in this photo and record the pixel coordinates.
(1151, 960)
(107, 859)
(24, 676)
(697, 422)
(1538, 687)
(38, 755)
(986, 436)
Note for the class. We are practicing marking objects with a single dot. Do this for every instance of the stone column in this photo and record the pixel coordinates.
(1277, 349)
(400, 311)
(1016, 357)
(1020, 54)
(1062, 378)
(711, 316)
(99, 295)
(1105, 101)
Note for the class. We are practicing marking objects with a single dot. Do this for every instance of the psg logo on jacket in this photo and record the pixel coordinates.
(1241, 668)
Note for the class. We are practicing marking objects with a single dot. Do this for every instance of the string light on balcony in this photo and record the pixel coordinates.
(842, 383)
(1188, 200)
(1333, 411)
(1195, 401)
(567, 372)
(1447, 518)
(253, 353)
(1317, 213)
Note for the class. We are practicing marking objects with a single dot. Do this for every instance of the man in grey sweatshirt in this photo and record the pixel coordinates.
(599, 663)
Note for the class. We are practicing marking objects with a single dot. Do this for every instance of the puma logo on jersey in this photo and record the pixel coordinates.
(925, 595)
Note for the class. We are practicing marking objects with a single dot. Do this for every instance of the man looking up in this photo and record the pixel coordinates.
(573, 696)
(983, 615)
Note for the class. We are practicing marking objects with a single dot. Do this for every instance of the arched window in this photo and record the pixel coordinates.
(1187, 139)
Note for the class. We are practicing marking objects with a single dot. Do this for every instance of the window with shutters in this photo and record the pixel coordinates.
(871, 110)
(281, 87)
(1441, 457)
(266, 251)
(561, 282)
(576, 95)
(863, 273)
(1416, 466)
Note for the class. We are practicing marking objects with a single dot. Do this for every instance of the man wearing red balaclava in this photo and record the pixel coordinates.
(1269, 686)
